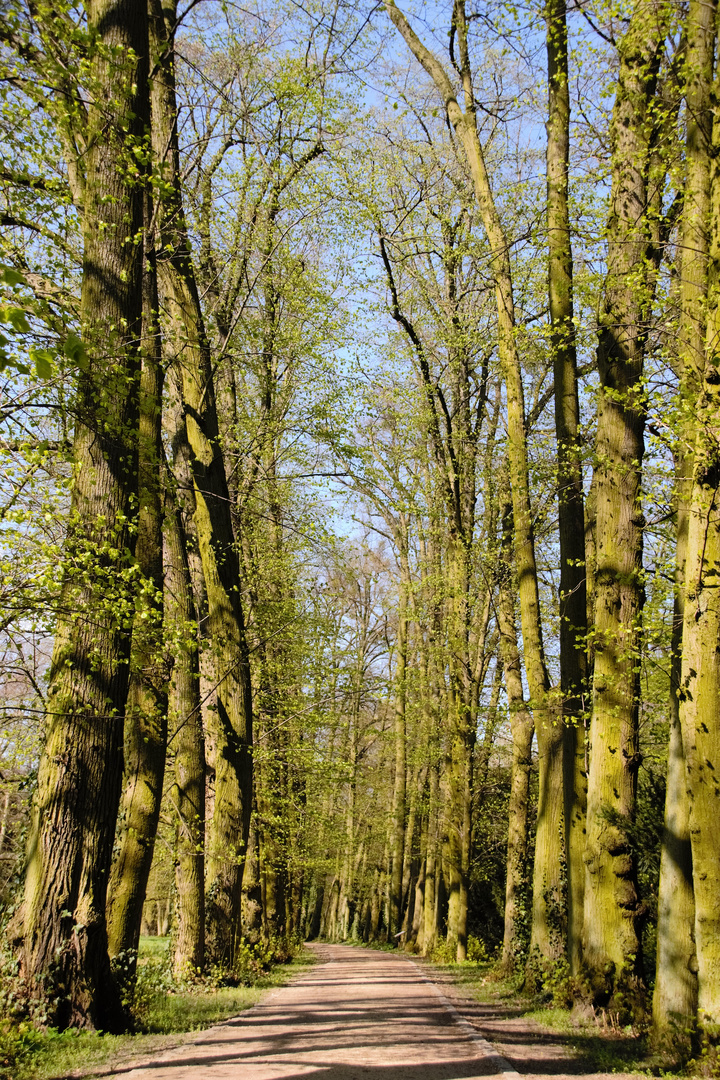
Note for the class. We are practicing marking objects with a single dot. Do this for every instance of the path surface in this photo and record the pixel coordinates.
(357, 1015)
(369, 1015)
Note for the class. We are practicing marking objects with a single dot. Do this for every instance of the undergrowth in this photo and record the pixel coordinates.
(166, 1012)
(597, 1039)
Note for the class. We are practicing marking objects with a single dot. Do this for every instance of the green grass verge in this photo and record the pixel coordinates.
(593, 1042)
(171, 1018)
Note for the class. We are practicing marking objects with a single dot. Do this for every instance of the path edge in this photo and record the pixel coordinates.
(489, 1051)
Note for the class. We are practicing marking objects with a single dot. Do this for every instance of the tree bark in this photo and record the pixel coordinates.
(398, 808)
(613, 911)
(700, 674)
(187, 795)
(429, 925)
(232, 737)
(522, 730)
(676, 984)
(573, 613)
(700, 692)
(75, 805)
(145, 737)
(251, 890)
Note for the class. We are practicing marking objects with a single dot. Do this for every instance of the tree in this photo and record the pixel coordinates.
(186, 744)
(699, 675)
(571, 525)
(613, 909)
(145, 728)
(546, 889)
(675, 996)
(523, 729)
(64, 939)
(185, 332)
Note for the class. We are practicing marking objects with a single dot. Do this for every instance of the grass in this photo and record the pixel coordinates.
(593, 1042)
(170, 1019)
(153, 946)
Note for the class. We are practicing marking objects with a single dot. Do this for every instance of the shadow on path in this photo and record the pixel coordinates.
(366, 1015)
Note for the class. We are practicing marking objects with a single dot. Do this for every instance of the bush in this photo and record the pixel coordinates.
(551, 980)
(446, 953)
(19, 1044)
(476, 951)
(707, 1061)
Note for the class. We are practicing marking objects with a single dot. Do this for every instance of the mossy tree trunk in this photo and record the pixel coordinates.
(185, 610)
(145, 736)
(413, 847)
(676, 985)
(522, 729)
(613, 910)
(187, 745)
(397, 849)
(75, 805)
(429, 920)
(573, 610)
(700, 674)
(232, 734)
(700, 692)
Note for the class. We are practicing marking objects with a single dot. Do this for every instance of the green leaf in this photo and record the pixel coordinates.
(16, 317)
(43, 361)
(8, 362)
(75, 351)
(8, 276)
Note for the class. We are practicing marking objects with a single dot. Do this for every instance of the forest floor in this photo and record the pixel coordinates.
(340, 1012)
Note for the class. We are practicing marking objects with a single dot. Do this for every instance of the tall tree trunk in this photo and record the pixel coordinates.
(549, 931)
(398, 808)
(232, 737)
(252, 913)
(573, 613)
(412, 854)
(700, 689)
(346, 861)
(459, 827)
(700, 675)
(145, 737)
(187, 744)
(522, 730)
(429, 932)
(410, 868)
(270, 791)
(416, 928)
(75, 806)
(461, 734)
(612, 912)
(676, 984)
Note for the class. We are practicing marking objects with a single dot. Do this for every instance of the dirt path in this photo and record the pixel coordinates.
(357, 1015)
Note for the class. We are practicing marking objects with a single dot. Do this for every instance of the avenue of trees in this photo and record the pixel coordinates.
(359, 470)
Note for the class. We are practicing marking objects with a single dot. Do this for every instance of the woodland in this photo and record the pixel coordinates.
(359, 467)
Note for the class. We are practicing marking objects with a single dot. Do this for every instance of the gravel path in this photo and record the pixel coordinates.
(357, 1015)
(369, 1015)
